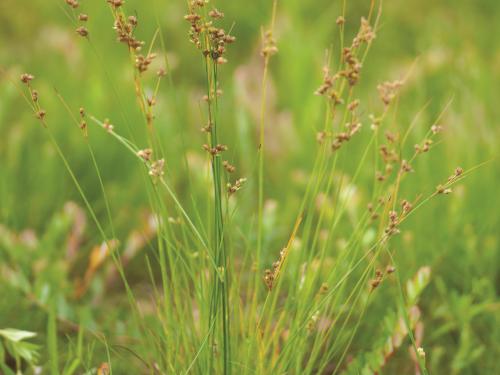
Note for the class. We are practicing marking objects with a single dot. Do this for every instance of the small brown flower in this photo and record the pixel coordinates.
(380, 176)
(215, 14)
(132, 20)
(207, 128)
(221, 60)
(107, 125)
(440, 189)
(269, 47)
(72, 3)
(388, 91)
(192, 17)
(324, 288)
(215, 150)
(142, 62)
(229, 39)
(82, 31)
(26, 78)
(228, 167)
(151, 101)
(116, 3)
(156, 168)
(231, 189)
(406, 206)
(353, 105)
(41, 114)
(145, 154)
(405, 166)
(435, 129)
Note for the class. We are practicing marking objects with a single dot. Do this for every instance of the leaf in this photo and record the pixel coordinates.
(394, 329)
(416, 285)
(5, 370)
(16, 335)
(27, 351)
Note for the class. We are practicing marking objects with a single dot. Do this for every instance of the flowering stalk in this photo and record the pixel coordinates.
(212, 42)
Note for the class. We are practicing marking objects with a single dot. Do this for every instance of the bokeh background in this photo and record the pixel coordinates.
(452, 49)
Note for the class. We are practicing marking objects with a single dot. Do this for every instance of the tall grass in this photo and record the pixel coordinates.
(231, 292)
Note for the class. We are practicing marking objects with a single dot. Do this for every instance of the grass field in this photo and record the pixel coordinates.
(264, 187)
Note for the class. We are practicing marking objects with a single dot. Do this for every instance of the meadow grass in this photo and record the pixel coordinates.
(260, 244)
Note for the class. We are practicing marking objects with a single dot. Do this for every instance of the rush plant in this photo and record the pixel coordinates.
(236, 283)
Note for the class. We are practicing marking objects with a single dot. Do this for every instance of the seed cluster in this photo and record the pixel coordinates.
(424, 147)
(228, 166)
(156, 168)
(351, 64)
(211, 40)
(233, 188)
(389, 156)
(395, 218)
(312, 322)
(40, 113)
(392, 228)
(73, 3)
(82, 18)
(333, 84)
(388, 91)
(83, 123)
(107, 126)
(379, 276)
(270, 276)
(142, 63)
(269, 47)
(124, 27)
(145, 154)
(215, 150)
(372, 210)
(445, 188)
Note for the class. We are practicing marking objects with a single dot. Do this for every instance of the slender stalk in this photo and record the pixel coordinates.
(220, 290)
(263, 109)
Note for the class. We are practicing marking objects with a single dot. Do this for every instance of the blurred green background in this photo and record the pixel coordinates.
(453, 46)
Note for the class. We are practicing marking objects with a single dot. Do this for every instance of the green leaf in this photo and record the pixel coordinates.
(415, 286)
(6, 370)
(27, 351)
(16, 335)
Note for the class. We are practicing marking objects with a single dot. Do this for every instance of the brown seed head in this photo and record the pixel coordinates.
(41, 114)
(132, 20)
(228, 166)
(26, 78)
(72, 3)
(324, 288)
(215, 14)
(116, 3)
(435, 129)
(145, 154)
(156, 168)
(82, 31)
(107, 125)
